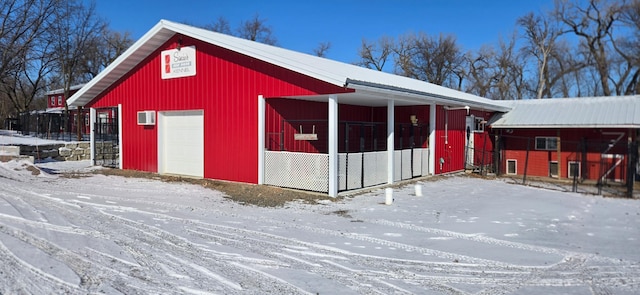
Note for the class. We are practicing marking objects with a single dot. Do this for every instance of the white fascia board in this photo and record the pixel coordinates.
(79, 99)
(418, 97)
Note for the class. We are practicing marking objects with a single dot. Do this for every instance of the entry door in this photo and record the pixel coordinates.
(181, 143)
(469, 142)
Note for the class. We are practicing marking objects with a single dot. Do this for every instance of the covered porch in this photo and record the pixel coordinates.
(341, 142)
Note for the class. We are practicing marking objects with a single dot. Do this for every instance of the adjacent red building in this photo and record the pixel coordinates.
(589, 138)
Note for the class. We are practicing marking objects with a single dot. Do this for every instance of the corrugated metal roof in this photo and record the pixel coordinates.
(584, 112)
(363, 80)
(61, 90)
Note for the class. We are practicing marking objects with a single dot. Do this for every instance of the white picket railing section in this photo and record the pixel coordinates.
(307, 171)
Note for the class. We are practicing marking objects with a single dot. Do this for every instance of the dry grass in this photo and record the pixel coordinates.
(259, 195)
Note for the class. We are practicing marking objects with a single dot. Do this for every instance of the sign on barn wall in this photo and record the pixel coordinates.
(179, 62)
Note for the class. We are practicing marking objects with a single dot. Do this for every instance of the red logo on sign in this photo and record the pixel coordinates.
(167, 66)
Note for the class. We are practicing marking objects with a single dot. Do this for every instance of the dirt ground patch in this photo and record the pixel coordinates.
(259, 195)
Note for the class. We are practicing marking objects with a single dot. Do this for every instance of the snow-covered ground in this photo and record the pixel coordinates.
(9, 137)
(106, 234)
(114, 235)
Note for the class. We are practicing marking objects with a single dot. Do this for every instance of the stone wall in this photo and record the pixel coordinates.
(62, 152)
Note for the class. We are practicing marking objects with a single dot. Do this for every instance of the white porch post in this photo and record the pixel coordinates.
(261, 130)
(92, 134)
(432, 139)
(390, 140)
(120, 143)
(333, 146)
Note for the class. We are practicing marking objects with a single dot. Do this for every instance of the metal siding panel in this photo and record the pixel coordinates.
(226, 86)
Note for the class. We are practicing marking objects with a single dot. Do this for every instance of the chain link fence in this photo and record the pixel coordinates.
(603, 167)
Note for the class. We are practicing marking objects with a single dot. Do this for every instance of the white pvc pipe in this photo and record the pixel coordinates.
(388, 192)
(418, 190)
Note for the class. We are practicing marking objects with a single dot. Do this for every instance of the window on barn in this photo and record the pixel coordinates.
(53, 101)
(512, 167)
(574, 169)
(546, 143)
(553, 168)
(60, 100)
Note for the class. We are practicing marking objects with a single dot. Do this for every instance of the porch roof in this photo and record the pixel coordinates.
(583, 112)
(371, 87)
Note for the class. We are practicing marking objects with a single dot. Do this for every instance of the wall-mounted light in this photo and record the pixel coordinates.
(414, 120)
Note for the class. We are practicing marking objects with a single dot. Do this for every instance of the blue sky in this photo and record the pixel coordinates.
(302, 25)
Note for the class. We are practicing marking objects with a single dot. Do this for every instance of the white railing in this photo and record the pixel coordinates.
(305, 171)
(309, 171)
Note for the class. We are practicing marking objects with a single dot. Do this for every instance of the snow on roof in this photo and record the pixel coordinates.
(380, 84)
(61, 90)
(584, 112)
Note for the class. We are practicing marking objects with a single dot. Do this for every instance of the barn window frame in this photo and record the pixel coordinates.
(553, 165)
(545, 143)
(515, 167)
(570, 171)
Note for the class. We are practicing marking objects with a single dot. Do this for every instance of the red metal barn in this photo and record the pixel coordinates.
(588, 138)
(199, 103)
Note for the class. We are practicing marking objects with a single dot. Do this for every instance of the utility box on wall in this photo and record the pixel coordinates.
(147, 118)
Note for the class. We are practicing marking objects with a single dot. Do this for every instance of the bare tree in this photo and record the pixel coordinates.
(256, 29)
(628, 47)
(480, 74)
(436, 60)
(541, 35)
(565, 72)
(374, 55)
(497, 73)
(403, 51)
(24, 50)
(322, 49)
(593, 24)
(102, 51)
(508, 78)
(77, 28)
(221, 25)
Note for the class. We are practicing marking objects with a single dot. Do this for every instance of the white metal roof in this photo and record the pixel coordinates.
(61, 90)
(584, 112)
(372, 87)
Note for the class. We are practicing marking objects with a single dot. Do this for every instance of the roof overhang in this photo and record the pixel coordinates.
(140, 50)
(404, 96)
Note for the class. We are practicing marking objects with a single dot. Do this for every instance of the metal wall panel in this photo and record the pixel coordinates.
(226, 86)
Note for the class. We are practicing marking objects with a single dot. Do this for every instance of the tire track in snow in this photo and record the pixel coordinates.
(85, 217)
(144, 241)
(28, 278)
(149, 245)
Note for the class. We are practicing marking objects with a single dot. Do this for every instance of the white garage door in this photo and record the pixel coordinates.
(181, 143)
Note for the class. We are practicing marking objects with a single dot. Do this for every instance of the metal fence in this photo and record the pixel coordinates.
(55, 126)
(603, 167)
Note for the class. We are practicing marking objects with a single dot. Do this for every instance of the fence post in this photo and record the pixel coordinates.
(526, 161)
(496, 156)
(631, 167)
